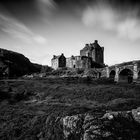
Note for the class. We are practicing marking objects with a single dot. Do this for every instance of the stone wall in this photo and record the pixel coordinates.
(79, 62)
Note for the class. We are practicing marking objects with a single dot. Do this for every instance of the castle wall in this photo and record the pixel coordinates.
(82, 53)
(62, 61)
(86, 62)
(55, 63)
(78, 62)
(93, 55)
(87, 51)
(94, 51)
(70, 62)
(99, 55)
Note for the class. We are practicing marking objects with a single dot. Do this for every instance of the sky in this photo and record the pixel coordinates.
(40, 29)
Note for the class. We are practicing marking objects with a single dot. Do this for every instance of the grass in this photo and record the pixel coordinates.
(29, 107)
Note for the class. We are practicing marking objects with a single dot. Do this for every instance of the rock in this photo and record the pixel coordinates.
(117, 125)
(72, 126)
(136, 114)
(88, 121)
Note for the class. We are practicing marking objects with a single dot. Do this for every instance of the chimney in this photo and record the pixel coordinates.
(96, 41)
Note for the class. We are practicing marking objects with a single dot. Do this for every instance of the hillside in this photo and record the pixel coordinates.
(13, 64)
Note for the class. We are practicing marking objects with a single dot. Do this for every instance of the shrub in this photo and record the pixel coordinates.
(46, 69)
(58, 72)
(79, 71)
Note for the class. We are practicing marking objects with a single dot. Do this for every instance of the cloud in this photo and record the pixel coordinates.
(97, 16)
(45, 60)
(129, 28)
(48, 3)
(46, 7)
(124, 24)
(16, 29)
(40, 39)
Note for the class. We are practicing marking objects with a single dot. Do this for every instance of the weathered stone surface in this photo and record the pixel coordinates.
(111, 126)
(136, 114)
(72, 126)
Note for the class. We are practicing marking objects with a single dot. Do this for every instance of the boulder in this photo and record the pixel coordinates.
(119, 125)
(136, 114)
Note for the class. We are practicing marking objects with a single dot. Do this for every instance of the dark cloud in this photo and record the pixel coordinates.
(115, 3)
(81, 3)
(22, 9)
(125, 2)
(32, 10)
(16, 3)
(28, 7)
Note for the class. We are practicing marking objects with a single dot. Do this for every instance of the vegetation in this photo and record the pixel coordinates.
(29, 108)
(14, 64)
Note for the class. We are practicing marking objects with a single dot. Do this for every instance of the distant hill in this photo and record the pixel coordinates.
(13, 64)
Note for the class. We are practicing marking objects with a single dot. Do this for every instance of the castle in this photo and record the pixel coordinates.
(91, 56)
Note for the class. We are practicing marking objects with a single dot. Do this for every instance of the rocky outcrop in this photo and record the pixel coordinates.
(110, 126)
(13, 64)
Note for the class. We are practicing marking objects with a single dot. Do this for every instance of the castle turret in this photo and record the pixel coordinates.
(95, 51)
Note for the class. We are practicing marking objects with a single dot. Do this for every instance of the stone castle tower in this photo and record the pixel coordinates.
(94, 51)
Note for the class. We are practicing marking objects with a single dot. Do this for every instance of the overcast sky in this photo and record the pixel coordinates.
(40, 28)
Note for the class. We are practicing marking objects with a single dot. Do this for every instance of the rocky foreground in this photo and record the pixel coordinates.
(54, 124)
(110, 126)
